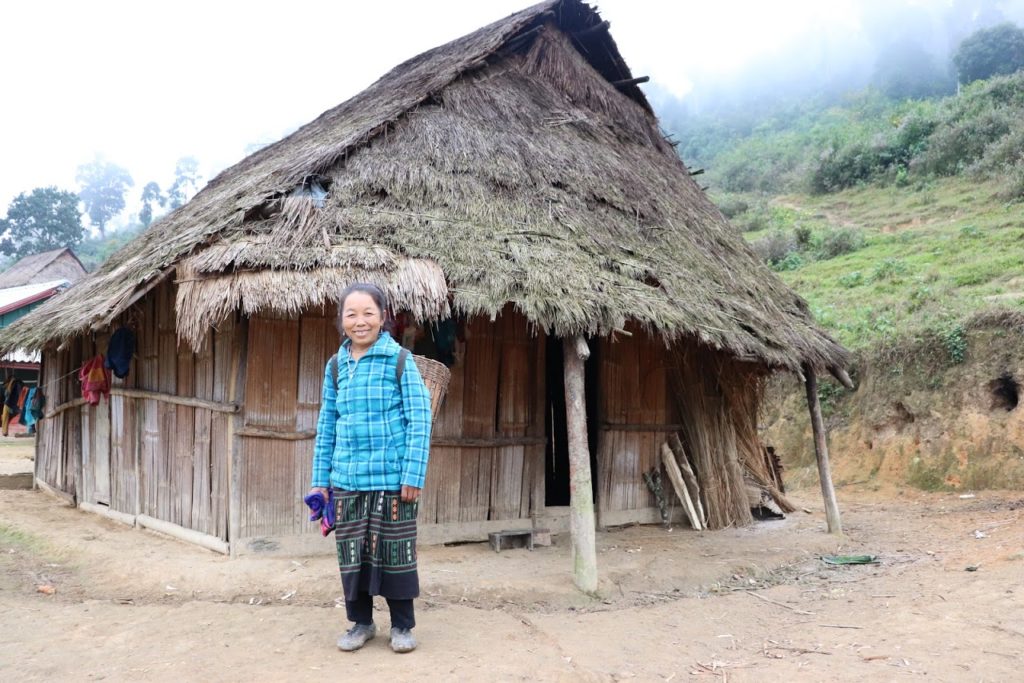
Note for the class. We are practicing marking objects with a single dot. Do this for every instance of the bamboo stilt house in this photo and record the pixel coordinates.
(511, 186)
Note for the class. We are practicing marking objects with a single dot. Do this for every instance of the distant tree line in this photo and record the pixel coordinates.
(879, 135)
(48, 218)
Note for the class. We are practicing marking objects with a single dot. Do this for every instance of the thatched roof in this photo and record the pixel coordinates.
(504, 167)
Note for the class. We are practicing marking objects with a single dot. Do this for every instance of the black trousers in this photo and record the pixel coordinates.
(360, 611)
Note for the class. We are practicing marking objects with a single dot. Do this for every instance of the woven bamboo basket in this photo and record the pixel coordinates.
(436, 376)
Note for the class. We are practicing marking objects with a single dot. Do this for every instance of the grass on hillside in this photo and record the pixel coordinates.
(932, 255)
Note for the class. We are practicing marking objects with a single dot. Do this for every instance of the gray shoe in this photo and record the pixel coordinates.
(356, 637)
(402, 640)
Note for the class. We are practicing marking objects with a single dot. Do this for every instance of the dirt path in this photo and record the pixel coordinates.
(740, 605)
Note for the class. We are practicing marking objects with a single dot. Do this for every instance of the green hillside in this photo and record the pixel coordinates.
(898, 221)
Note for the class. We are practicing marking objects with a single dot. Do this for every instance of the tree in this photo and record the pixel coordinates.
(103, 186)
(44, 219)
(151, 195)
(990, 52)
(186, 182)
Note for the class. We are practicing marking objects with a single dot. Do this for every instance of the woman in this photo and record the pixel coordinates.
(371, 449)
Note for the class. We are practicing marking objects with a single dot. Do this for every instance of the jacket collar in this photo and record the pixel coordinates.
(384, 346)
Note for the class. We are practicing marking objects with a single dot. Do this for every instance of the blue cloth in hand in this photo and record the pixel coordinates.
(322, 509)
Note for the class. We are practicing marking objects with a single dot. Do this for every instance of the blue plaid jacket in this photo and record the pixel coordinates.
(372, 435)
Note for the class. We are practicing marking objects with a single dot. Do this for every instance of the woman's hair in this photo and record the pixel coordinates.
(375, 293)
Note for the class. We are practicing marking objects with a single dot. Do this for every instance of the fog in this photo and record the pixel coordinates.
(145, 84)
(842, 50)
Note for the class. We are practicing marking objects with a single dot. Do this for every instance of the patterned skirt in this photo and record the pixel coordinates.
(376, 537)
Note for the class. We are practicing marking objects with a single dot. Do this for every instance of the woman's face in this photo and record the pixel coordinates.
(361, 319)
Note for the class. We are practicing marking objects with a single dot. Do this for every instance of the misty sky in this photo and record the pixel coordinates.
(145, 83)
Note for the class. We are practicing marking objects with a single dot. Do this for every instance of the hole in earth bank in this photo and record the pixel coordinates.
(1005, 392)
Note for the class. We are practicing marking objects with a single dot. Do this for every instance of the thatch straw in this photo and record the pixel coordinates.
(709, 435)
(513, 165)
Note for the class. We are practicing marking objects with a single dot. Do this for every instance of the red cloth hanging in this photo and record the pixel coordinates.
(95, 380)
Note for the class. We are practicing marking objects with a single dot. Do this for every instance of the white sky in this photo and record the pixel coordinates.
(148, 82)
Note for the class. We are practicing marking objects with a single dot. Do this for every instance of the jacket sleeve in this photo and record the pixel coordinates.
(416, 408)
(326, 424)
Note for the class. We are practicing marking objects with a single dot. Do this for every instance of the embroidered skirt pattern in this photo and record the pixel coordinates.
(376, 538)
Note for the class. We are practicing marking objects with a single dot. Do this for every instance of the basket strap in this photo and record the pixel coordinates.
(400, 367)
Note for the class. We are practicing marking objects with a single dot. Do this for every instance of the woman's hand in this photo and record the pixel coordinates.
(321, 490)
(410, 494)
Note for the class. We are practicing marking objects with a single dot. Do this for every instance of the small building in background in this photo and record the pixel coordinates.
(58, 264)
(23, 288)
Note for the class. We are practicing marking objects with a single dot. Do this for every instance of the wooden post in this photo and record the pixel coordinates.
(236, 390)
(828, 492)
(581, 492)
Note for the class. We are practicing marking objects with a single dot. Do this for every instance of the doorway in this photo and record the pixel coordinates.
(556, 455)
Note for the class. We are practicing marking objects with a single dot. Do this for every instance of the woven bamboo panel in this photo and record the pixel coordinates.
(272, 373)
(633, 376)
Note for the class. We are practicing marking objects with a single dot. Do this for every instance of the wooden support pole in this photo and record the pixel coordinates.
(581, 492)
(828, 492)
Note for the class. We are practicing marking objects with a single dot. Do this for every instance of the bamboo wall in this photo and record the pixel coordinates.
(143, 455)
(487, 458)
(285, 363)
(634, 419)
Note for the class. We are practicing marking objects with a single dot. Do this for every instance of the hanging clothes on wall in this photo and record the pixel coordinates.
(27, 418)
(12, 392)
(37, 405)
(95, 380)
(120, 351)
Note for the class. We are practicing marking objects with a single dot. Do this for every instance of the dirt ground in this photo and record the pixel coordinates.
(16, 455)
(753, 604)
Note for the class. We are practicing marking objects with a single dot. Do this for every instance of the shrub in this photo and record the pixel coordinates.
(774, 248)
(954, 340)
(841, 241)
(1002, 154)
(1012, 188)
(791, 261)
(953, 147)
(755, 219)
(850, 280)
(732, 206)
(803, 234)
(889, 269)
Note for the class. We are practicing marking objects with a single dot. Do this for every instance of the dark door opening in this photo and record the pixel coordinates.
(556, 456)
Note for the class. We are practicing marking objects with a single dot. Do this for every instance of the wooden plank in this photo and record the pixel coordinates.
(221, 443)
(428, 494)
(184, 441)
(236, 384)
(88, 473)
(506, 482)
(448, 423)
(449, 496)
(483, 367)
(149, 456)
(101, 452)
(201, 451)
(147, 342)
(676, 477)
(168, 503)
